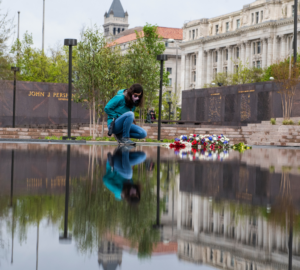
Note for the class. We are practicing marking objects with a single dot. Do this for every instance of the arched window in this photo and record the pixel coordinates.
(119, 30)
(114, 31)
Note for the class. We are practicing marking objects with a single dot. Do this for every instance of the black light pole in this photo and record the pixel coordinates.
(70, 43)
(161, 58)
(15, 70)
(295, 30)
(65, 238)
(290, 244)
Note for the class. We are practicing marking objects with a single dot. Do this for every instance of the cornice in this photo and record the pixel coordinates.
(239, 32)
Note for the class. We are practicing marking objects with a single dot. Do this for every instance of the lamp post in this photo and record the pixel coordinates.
(70, 43)
(15, 70)
(169, 101)
(295, 29)
(161, 58)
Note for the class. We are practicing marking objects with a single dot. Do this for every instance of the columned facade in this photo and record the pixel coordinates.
(257, 36)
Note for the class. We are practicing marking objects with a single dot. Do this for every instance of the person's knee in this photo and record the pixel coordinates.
(143, 133)
(129, 114)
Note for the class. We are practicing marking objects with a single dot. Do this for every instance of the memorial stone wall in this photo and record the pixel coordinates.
(38, 103)
(235, 105)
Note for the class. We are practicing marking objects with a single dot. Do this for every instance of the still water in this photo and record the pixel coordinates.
(99, 207)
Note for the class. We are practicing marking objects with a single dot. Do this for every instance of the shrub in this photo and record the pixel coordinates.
(273, 121)
(288, 122)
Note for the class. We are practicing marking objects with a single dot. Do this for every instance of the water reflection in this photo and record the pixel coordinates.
(232, 214)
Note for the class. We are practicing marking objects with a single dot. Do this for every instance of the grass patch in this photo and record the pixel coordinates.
(273, 121)
(106, 139)
(288, 122)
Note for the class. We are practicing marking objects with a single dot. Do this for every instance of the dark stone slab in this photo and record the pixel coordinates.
(235, 105)
(38, 103)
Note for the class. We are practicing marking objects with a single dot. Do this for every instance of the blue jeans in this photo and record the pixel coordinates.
(124, 125)
(123, 162)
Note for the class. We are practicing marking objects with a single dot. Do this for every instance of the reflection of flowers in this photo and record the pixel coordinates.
(177, 145)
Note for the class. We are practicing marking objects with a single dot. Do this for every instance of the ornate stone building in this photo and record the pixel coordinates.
(115, 20)
(258, 35)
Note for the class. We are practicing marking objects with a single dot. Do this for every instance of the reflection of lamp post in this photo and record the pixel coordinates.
(157, 225)
(15, 70)
(11, 204)
(161, 58)
(169, 101)
(70, 43)
(65, 238)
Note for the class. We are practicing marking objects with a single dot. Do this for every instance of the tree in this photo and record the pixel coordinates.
(6, 30)
(141, 64)
(100, 73)
(286, 79)
(36, 66)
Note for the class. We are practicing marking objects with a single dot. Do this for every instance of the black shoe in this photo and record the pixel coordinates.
(118, 137)
(127, 141)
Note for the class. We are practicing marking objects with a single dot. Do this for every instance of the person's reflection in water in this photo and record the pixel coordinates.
(118, 177)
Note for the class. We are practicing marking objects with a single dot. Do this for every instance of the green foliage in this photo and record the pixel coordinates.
(242, 75)
(273, 121)
(141, 64)
(53, 138)
(288, 122)
(36, 66)
(241, 147)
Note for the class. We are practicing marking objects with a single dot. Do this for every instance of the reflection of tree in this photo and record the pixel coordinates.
(95, 212)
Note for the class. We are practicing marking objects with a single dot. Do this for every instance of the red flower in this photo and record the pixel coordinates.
(204, 144)
(194, 135)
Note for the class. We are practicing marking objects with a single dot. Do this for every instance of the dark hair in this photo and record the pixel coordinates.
(135, 88)
(126, 190)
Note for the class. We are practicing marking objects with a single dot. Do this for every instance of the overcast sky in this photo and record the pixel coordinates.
(65, 18)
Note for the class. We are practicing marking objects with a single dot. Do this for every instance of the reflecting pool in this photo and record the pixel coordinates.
(103, 207)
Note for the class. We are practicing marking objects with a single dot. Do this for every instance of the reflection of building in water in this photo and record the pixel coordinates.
(109, 255)
(224, 238)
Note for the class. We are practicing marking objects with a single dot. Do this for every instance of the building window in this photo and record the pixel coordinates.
(216, 56)
(214, 76)
(194, 34)
(253, 64)
(221, 257)
(194, 76)
(227, 27)
(119, 30)
(114, 31)
(257, 17)
(238, 23)
(236, 68)
(226, 54)
(211, 254)
(232, 261)
(293, 10)
(170, 82)
(169, 70)
(217, 29)
(195, 60)
(167, 44)
(252, 20)
(258, 47)
(258, 64)
(237, 52)
(261, 16)
(254, 47)
(123, 29)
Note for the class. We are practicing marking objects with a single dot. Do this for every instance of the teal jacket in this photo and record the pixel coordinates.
(116, 107)
(114, 181)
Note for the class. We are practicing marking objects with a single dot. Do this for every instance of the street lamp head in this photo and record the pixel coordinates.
(162, 57)
(171, 40)
(70, 42)
(15, 69)
(272, 78)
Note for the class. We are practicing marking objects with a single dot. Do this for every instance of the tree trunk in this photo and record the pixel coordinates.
(90, 120)
(94, 117)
